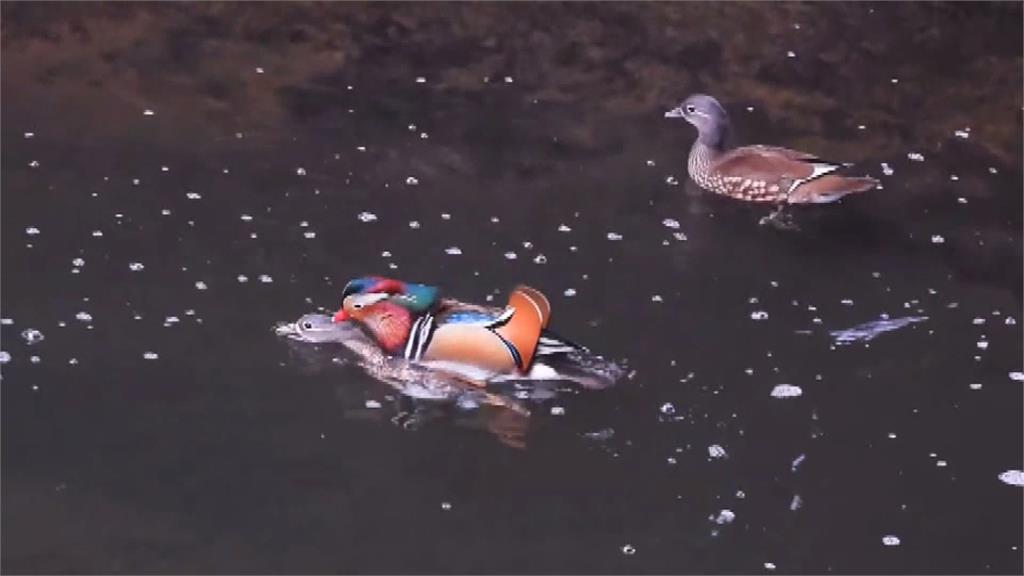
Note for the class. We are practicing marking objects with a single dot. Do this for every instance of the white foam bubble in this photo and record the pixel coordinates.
(786, 391)
(1012, 477)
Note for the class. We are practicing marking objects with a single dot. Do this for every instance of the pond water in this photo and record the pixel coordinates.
(178, 178)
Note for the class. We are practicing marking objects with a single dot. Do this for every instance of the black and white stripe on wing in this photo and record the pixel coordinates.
(549, 344)
(419, 336)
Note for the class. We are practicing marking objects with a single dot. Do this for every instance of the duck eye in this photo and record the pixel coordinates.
(307, 325)
(357, 306)
(690, 109)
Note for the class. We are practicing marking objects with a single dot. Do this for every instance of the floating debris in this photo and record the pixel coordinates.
(891, 540)
(200, 285)
(569, 292)
(557, 411)
(446, 216)
(265, 278)
(446, 506)
(725, 516)
(246, 218)
(1017, 376)
(411, 181)
(769, 566)
(150, 355)
(670, 223)
(309, 234)
(148, 112)
(796, 503)
(242, 278)
(193, 196)
(650, 162)
(869, 330)
(790, 54)
(136, 266)
(30, 134)
(671, 181)
(97, 233)
(716, 451)
(510, 256)
(886, 169)
(32, 231)
(786, 391)
(420, 80)
(300, 171)
(32, 336)
(83, 317)
(797, 462)
(540, 259)
(5, 357)
(367, 217)
(916, 157)
(78, 262)
(414, 224)
(564, 229)
(614, 237)
(373, 404)
(600, 435)
(965, 133)
(453, 251)
(628, 550)
(656, 298)
(1012, 477)
(667, 409)
(758, 315)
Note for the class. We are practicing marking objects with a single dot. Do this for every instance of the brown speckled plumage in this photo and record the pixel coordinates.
(758, 173)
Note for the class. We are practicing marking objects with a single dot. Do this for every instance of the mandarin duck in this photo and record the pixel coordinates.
(758, 173)
(412, 381)
(485, 343)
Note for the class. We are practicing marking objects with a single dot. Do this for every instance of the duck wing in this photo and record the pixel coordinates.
(774, 174)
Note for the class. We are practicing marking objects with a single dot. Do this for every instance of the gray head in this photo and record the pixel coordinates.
(319, 328)
(707, 115)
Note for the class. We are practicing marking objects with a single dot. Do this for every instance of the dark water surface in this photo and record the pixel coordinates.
(233, 450)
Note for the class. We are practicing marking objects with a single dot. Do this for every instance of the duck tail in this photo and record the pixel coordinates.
(531, 312)
(830, 188)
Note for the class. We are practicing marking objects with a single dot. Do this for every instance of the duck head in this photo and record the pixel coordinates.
(415, 297)
(383, 315)
(707, 115)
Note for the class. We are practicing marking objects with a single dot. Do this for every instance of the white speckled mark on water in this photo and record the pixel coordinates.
(5, 357)
(716, 451)
(725, 516)
(614, 236)
(367, 217)
(453, 251)
(1012, 477)
(32, 336)
(891, 540)
(786, 391)
(150, 355)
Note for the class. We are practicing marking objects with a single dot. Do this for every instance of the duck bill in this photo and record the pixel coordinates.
(674, 113)
(340, 315)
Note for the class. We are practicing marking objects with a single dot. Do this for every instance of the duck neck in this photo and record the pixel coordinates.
(710, 144)
(701, 157)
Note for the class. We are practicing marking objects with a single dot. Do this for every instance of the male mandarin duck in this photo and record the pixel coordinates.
(758, 173)
(412, 321)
